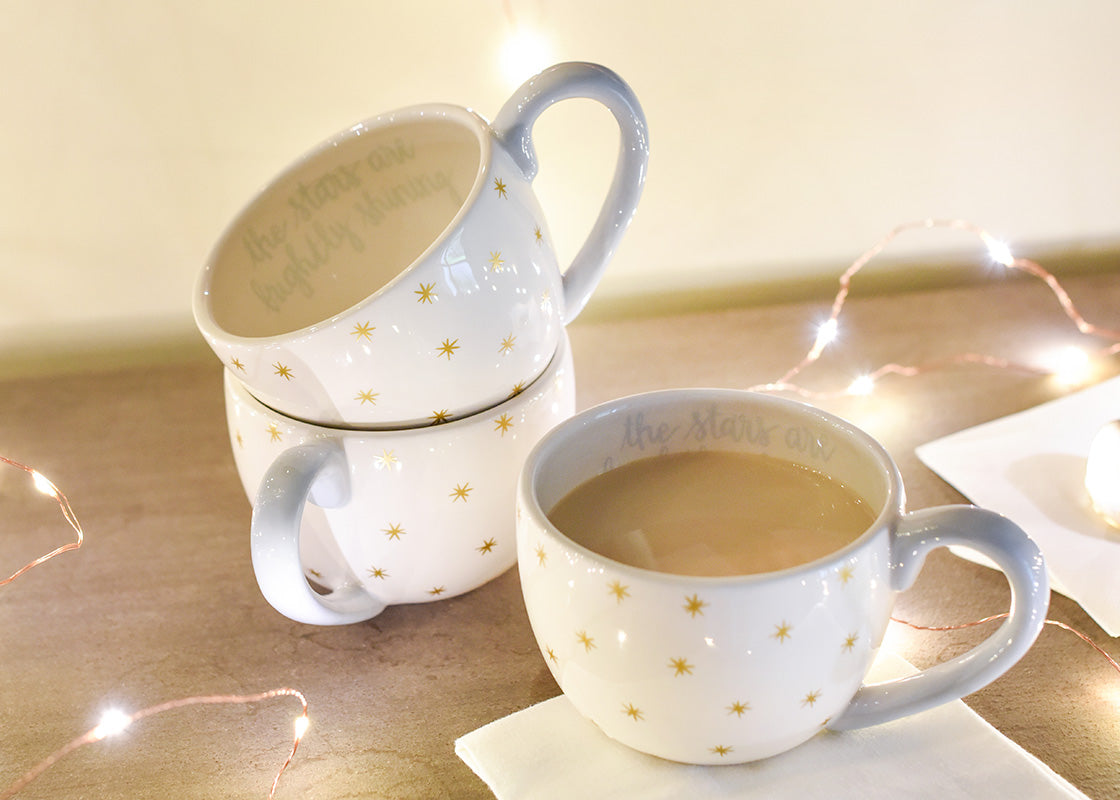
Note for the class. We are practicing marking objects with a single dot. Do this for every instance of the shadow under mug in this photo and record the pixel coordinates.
(403, 269)
(374, 518)
(719, 670)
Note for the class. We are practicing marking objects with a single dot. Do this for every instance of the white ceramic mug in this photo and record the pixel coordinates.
(373, 518)
(718, 670)
(404, 268)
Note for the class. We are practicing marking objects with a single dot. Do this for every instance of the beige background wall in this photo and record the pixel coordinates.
(786, 136)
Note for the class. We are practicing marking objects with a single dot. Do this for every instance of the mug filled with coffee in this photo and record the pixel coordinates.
(709, 573)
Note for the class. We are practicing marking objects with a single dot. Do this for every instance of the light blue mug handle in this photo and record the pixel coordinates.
(514, 128)
(317, 473)
(1015, 554)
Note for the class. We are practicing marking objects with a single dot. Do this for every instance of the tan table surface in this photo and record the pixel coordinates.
(161, 602)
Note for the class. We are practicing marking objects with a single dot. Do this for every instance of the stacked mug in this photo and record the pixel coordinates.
(392, 316)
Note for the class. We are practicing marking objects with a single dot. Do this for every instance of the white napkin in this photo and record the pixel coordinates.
(1030, 467)
(550, 752)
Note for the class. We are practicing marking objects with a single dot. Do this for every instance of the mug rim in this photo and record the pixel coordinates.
(465, 117)
(891, 508)
(323, 430)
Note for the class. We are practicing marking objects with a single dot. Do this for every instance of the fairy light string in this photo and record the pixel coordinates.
(46, 487)
(828, 332)
(115, 722)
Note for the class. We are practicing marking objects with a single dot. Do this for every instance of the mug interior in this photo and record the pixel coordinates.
(344, 222)
(677, 421)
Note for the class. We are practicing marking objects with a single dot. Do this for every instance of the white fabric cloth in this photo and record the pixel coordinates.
(550, 752)
(1030, 467)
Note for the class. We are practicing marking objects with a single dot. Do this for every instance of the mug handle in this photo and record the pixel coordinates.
(1016, 555)
(514, 128)
(315, 472)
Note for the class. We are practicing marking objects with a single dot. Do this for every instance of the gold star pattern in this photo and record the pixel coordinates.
(437, 590)
(631, 711)
(738, 708)
(850, 642)
(363, 330)
(538, 235)
(507, 344)
(460, 492)
(439, 417)
(426, 292)
(487, 546)
(680, 666)
(236, 362)
(546, 299)
(694, 605)
(552, 655)
(274, 434)
(588, 642)
(503, 423)
(811, 698)
(542, 556)
(377, 572)
(387, 460)
(618, 590)
(782, 632)
(394, 531)
(496, 261)
(720, 749)
(447, 348)
(368, 397)
(517, 389)
(240, 441)
(283, 370)
(500, 187)
(846, 572)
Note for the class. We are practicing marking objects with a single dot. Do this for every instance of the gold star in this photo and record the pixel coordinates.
(499, 187)
(363, 330)
(503, 423)
(496, 261)
(537, 234)
(426, 292)
(781, 632)
(811, 698)
(487, 546)
(240, 441)
(542, 556)
(850, 642)
(680, 666)
(437, 590)
(460, 492)
(846, 573)
(517, 389)
(634, 713)
(721, 749)
(448, 348)
(387, 460)
(274, 433)
(738, 708)
(377, 572)
(394, 531)
(587, 641)
(546, 300)
(552, 655)
(694, 605)
(440, 416)
(283, 371)
(369, 396)
(507, 344)
(236, 362)
(618, 590)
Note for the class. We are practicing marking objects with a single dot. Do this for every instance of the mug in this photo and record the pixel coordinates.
(720, 670)
(403, 268)
(346, 522)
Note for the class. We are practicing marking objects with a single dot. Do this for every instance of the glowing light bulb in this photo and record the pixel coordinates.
(113, 722)
(826, 334)
(863, 385)
(42, 484)
(1102, 473)
(1070, 366)
(524, 53)
(999, 252)
(301, 725)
